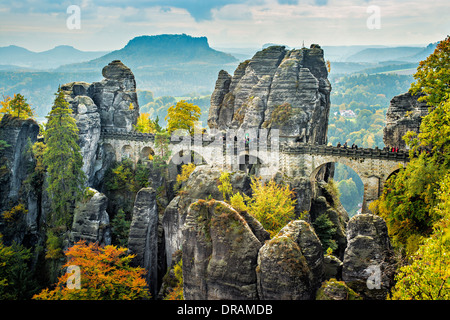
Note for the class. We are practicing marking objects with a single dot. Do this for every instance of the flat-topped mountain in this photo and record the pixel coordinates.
(161, 50)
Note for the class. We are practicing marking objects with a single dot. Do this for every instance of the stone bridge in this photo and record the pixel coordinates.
(263, 158)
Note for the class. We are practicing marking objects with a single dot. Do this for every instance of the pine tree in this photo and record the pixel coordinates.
(64, 162)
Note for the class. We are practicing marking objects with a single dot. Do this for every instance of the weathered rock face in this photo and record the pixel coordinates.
(280, 89)
(220, 253)
(336, 290)
(87, 116)
(290, 266)
(16, 133)
(325, 202)
(111, 103)
(405, 114)
(91, 221)
(143, 236)
(14, 166)
(116, 97)
(202, 184)
(367, 268)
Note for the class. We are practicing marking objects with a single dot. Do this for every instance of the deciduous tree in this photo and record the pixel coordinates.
(105, 274)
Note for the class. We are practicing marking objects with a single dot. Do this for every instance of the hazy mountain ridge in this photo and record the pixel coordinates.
(19, 57)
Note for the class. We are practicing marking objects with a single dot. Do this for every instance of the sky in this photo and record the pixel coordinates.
(105, 25)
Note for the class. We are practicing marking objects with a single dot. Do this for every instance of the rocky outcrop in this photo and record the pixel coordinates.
(202, 184)
(404, 114)
(15, 163)
(290, 266)
(336, 290)
(143, 236)
(325, 201)
(220, 253)
(88, 120)
(111, 103)
(90, 219)
(116, 97)
(279, 89)
(367, 268)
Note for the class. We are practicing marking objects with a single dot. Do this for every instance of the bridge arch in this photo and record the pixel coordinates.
(145, 153)
(350, 201)
(127, 152)
(180, 158)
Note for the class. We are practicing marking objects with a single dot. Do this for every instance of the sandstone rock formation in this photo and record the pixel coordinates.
(143, 236)
(279, 89)
(220, 252)
(290, 266)
(367, 268)
(116, 97)
(202, 184)
(15, 161)
(111, 103)
(88, 120)
(336, 290)
(91, 221)
(404, 114)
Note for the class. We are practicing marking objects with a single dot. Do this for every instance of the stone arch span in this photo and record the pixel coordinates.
(372, 172)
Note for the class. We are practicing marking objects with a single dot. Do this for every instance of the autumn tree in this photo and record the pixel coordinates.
(146, 125)
(17, 107)
(433, 75)
(409, 197)
(64, 162)
(182, 116)
(105, 274)
(271, 204)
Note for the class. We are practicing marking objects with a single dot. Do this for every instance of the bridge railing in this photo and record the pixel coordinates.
(285, 147)
(302, 148)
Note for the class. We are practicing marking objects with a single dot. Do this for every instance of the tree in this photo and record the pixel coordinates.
(271, 204)
(17, 107)
(105, 274)
(433, 75)
(162, 151)
(183, 115)
(16, 280)
(64, 162)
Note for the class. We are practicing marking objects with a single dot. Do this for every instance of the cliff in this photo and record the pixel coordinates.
(404, 114)
(276, 89)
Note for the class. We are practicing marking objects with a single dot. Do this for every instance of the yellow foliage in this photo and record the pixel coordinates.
(13, 214)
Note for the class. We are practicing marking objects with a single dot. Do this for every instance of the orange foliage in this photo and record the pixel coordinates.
(105, 274)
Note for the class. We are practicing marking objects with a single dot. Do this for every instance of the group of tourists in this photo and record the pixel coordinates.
(345, 145)
(391, 149)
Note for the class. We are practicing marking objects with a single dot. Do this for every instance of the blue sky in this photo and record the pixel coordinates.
(110, 24)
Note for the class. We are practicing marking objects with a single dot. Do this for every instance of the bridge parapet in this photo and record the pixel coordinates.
(127, 136)
(305, 148)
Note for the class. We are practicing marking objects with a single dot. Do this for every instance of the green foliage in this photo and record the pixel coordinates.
(54, 245)
(16, 281)
(410, 196)
(162, 151)
(124, 177)
(433, 75)
(271, 204)
(120, 227)
(64, 162)
(348, 190)
(177, 291)
(17, 107)
(325, 230)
